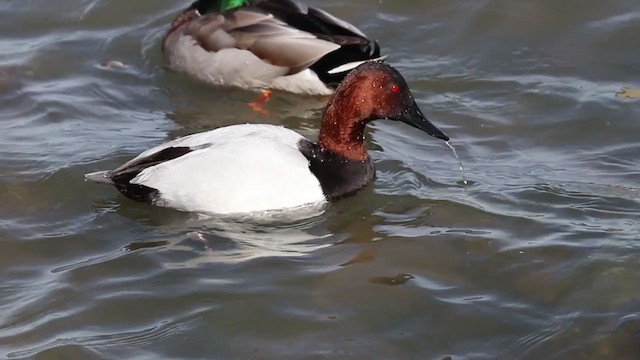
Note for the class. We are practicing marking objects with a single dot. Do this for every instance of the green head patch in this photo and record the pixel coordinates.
(230, 4)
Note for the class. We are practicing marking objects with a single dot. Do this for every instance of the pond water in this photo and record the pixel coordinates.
(537, 257)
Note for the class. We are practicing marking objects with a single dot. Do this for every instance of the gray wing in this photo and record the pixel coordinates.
(268, 38)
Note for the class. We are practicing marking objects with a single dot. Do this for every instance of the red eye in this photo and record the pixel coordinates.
(395, 88)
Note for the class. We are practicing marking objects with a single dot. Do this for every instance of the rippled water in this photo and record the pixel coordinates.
(537, 258)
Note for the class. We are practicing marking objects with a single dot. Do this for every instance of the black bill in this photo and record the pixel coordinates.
(414, 117)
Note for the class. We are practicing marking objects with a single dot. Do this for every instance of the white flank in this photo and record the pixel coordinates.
(236, 169)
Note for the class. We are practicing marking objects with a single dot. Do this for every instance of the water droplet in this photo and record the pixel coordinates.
(464, 180)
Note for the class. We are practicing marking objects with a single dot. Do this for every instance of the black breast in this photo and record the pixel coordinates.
(339, 177)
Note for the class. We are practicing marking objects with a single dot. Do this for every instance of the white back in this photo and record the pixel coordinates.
(241, 168)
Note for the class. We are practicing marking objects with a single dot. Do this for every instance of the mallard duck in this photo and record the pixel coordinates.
(266, 44)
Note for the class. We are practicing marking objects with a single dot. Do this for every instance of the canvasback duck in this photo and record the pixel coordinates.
(251, 168)
(266, 44)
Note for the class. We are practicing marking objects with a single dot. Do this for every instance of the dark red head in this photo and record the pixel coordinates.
(374, 90)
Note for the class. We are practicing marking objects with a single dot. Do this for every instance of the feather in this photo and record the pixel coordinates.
(267, 37)
(352, 65)
(256, 44)
(99, 177)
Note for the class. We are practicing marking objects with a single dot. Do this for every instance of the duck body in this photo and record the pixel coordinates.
(253, 168)
(237, 169)
(266, 44)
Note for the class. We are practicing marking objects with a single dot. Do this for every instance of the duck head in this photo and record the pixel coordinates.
(205, 6)
(373, 90)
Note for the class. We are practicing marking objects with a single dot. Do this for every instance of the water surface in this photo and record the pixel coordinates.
(536, 258)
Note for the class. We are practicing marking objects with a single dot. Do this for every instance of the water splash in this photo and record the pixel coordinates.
(464, 179)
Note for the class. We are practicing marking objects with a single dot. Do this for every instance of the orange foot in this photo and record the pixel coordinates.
(262, 99)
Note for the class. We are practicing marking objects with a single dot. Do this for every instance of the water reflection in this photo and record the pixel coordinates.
(219, 239)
